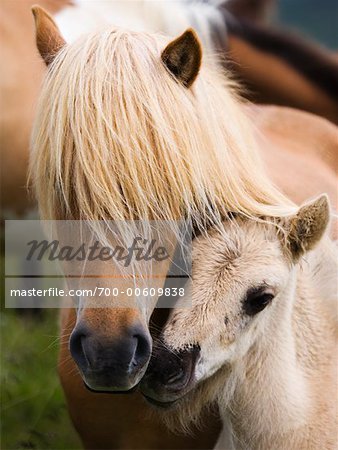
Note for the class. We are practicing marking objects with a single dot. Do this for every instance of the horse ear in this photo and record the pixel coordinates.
(48, 37)
(183, 57)
(307, 227)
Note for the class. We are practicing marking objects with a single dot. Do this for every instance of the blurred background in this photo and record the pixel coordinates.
(33, 414)
(313, 18)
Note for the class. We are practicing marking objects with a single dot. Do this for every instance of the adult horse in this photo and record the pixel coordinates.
(300, 75)
(146, 161)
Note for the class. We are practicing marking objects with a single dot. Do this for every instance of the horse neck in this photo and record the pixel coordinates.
(271, 397)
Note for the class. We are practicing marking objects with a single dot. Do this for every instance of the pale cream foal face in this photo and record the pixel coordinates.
(237, 280)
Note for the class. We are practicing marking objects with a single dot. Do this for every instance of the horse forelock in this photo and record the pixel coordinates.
(117, 137)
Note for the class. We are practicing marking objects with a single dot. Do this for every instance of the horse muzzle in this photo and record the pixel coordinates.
(170, 376)
(108, 364)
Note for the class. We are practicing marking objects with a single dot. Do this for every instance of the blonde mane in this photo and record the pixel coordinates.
(116, 137)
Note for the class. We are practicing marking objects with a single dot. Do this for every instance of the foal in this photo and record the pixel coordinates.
(260, 337)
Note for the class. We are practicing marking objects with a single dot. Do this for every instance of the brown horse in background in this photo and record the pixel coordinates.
(20, 81)
(276, 67)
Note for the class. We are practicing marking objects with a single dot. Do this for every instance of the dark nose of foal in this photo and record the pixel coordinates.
(169, 375)
(108, 364)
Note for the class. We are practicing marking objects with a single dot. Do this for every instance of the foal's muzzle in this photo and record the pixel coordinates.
(108, 364)
(170, 375)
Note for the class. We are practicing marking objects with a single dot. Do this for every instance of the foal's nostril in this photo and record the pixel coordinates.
(169, 372)
(177, 377)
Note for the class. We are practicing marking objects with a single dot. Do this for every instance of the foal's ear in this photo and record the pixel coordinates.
(48, 37)
(308, 226)
(183, 57)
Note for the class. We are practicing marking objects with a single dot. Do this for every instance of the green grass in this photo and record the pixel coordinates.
(34, 414)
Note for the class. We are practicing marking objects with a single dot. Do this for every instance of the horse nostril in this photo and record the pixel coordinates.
(77, 346)
(142, 349)
(96, 353)
(176, 377)
(170, 372)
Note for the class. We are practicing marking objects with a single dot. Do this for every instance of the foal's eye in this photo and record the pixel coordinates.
(256, 300)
